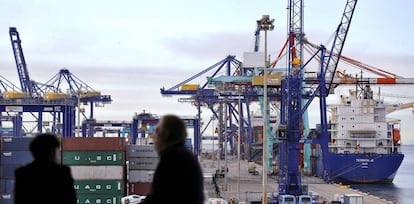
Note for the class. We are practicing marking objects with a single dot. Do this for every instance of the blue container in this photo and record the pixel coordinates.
(15, 143)
(7, 170)
(16, 157)
(7, 186)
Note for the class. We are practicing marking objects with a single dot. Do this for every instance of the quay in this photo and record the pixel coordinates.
(251, 185)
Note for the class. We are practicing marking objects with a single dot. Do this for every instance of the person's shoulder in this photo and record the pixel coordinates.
(62, 167)
(178, 149)
(24, 170)
(56, 167)
(180, 152)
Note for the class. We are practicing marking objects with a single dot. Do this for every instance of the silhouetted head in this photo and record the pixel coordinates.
(43, 146)
(171, 130)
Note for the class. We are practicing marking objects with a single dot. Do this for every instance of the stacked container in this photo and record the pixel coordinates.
(14, 153)
(98, 168)
(142, 161)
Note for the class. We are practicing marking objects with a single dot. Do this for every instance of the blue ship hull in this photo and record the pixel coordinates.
(364, 168)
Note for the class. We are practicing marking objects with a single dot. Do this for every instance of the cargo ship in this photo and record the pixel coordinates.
(365, 145)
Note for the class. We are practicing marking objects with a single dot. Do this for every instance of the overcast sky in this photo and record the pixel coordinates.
(129, 49)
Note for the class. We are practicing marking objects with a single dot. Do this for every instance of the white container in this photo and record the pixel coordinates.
(143, 163)
(141, 151)
(339, 197)
(353, 199)
(143, 176)
(97, 172)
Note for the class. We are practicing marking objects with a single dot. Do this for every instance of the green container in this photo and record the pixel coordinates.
(99, 186)
(93, 158)
(99, 198)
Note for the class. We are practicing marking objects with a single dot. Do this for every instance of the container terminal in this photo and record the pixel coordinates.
(273, 140)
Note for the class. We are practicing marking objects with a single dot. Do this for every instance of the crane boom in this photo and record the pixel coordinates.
(339, 41)
(26, 84)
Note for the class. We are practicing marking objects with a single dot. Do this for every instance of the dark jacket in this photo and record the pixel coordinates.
(177, 179)
(44, 182)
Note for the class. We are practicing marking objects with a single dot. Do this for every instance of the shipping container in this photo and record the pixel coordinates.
(93, 158)
(139, 188)
(353, 199)
(189, 87)
(7, 186)
(99, 186)
(16, 157)
(7, 170)
(98, 172)
(143, 163)
(272, 80)
(99, 198)
(140, 176)
(141, 151)
(93, 144)
(15, 143)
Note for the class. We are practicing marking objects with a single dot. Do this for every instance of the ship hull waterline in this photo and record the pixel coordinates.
(364, 168)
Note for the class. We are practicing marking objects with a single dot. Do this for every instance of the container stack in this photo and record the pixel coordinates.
(142, 161)
(14, 153)
(98, 168)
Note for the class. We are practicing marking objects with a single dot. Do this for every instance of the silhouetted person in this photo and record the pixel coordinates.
(178, 176)
(44, 181)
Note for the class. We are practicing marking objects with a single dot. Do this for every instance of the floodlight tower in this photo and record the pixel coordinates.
(265, 24)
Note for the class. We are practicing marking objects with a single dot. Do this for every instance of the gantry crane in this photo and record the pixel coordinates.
(65, 80)
(37, 98)
(222, 100)
(30, 99)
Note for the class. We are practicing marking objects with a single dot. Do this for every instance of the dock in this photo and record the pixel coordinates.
(248, 189)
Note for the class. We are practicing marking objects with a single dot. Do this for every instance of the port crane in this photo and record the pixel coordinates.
(228, 94)
(297, 95)
(29, 99)
(36, 98)
(221, 94)
(65, 80)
